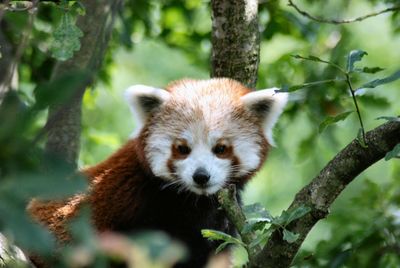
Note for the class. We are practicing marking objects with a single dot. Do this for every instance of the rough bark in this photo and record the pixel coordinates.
(11, 255)
(11, 53)
(64, 121)
(324, 189)
(229, 202)
(6, 54)
(6, 51)
(235, 54)
(235, 40)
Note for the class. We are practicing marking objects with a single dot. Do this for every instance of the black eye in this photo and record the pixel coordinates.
(219, 149)
(183, 149)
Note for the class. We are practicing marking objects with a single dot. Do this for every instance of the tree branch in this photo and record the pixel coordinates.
(3, 7)
(334, 21)
(11, 63)
(64, 122)
(324, 189)
(235, 40)
(227, 199)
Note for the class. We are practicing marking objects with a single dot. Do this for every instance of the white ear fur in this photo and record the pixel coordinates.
(142, 101)
(268, 106)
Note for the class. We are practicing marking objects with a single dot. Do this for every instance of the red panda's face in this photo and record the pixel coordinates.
(202, 135)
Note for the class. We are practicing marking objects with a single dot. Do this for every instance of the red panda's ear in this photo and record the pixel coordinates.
(267, 105)
(143, 100)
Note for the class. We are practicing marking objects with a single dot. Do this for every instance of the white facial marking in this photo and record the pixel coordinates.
(275, 101)
(201, 114)
(201, 156)
(134, 95)
(248, 152)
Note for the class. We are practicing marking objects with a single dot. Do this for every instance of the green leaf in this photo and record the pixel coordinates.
(66, 38)
(221, 247)
(81, 229)
(297, 213)
(239, 256)
(281, 220)
(27, 234)
(26, 186)
(254, 224)
(160, 246)
(217, 235)
(374, 101)
(288, 216)
(331, 120)
(360, 138)
(369, 70)
(60, 180)
(256, 210)
(378, 82)
(79, 8)
(261, 239)
(257, 217)
(389, 118)
(395, 153)
(289, 236)
(340, 259)
(354, 56)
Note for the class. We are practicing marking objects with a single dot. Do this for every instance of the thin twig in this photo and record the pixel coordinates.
(228, 201)
(348, 81)
(20, 50)
(3, 9)
(20, 5)
(321, 61)
(343, 21)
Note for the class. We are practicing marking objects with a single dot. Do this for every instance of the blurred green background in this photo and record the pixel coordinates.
(301, 152)
(156, 42)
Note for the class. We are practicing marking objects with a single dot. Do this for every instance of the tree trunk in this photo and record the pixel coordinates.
(6, 59)
(235, 54)
(235, 40)
(64, 121)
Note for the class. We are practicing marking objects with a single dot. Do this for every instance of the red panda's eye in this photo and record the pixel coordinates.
(183, 149)
(219, 149)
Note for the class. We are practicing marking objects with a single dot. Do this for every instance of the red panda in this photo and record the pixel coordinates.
(193, 138)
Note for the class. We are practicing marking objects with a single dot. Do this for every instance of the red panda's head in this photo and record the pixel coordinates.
(201, 135)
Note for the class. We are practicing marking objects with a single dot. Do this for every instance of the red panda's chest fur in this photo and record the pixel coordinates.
(126, 197)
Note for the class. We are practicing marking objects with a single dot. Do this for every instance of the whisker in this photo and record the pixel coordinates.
(173, 183)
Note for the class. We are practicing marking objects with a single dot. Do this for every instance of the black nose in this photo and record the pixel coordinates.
(201, 176)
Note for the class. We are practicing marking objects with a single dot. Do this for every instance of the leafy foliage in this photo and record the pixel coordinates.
(363, 228)
(393, 153)
(366, 243)
(377, 82)
(66, 38)
(26, 172)
(217, 235)
(331, 120)
(353, 57)
(260, 223)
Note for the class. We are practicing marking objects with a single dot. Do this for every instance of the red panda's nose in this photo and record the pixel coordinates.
(201, 176)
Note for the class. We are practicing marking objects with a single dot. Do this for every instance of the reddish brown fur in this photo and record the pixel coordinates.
(105, 189)
(109, 179)
(108, 185)
(115, 183)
